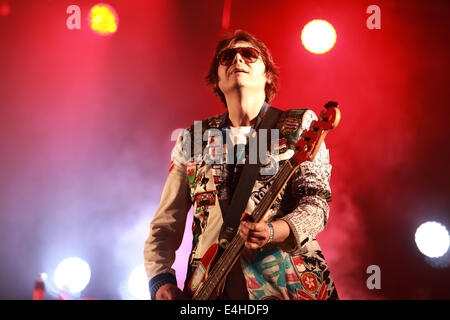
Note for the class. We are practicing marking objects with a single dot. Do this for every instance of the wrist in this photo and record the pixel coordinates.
(271, 233)
(158, 281)
(281, 231)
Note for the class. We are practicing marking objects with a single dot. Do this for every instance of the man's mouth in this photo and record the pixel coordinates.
(236, 70)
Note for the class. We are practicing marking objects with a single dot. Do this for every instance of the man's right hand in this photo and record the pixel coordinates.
(169, 291)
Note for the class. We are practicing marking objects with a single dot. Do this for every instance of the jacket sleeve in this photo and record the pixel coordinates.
(167, 225)
(310, 188)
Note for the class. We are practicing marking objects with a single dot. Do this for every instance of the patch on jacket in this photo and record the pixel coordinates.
(290, 128)
(205, 199)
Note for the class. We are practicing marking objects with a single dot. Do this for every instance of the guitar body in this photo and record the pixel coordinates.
(202, 271)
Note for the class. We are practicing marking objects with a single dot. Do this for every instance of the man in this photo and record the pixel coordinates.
(281, 258)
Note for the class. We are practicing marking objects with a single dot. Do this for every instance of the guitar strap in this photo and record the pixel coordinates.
(232, 212)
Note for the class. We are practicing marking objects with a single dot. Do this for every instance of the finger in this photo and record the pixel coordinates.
(256, 227)
(246, 232)
(243, 234)
(178, 295)
(257, 240)
(251, 245)
(250, 226)
(246, 216)
(255, 244)
(166, 295)
(251, 239)
(245, 226)
(171, 295)
(260, 234)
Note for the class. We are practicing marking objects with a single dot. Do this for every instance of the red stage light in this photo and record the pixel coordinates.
(5, 8)
(318, 36)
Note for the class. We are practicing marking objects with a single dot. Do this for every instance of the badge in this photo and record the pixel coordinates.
(309, 282)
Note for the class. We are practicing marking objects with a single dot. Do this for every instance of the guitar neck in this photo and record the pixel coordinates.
(229, 257)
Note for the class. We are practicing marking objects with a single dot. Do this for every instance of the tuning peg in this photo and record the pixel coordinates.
(331, 104)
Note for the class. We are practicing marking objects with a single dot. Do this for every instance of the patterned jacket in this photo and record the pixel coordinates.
(295, 269)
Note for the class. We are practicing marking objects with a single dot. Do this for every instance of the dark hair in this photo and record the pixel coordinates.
(271, 69)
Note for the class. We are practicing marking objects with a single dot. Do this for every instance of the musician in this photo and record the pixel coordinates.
(281, 258)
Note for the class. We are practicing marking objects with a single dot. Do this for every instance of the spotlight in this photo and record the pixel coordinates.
(5, 8)
(138, 284)
(318, 36)
(72, 275)
(432, 239)
(103, 19)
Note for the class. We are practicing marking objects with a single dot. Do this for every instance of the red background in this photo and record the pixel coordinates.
(86, 121)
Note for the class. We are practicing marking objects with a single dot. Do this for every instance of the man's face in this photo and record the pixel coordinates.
(242, 74)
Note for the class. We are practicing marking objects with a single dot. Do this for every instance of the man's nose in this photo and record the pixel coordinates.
(238, 58)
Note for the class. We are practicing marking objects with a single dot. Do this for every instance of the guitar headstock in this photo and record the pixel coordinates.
(310, 140)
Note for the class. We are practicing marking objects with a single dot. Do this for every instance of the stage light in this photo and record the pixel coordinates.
(72, 275)
(5, 8)
(138, 284)
(318, 36)
(103, 19)
(432, 239)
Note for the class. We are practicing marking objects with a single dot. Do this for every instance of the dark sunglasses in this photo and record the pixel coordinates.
(249, 54)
